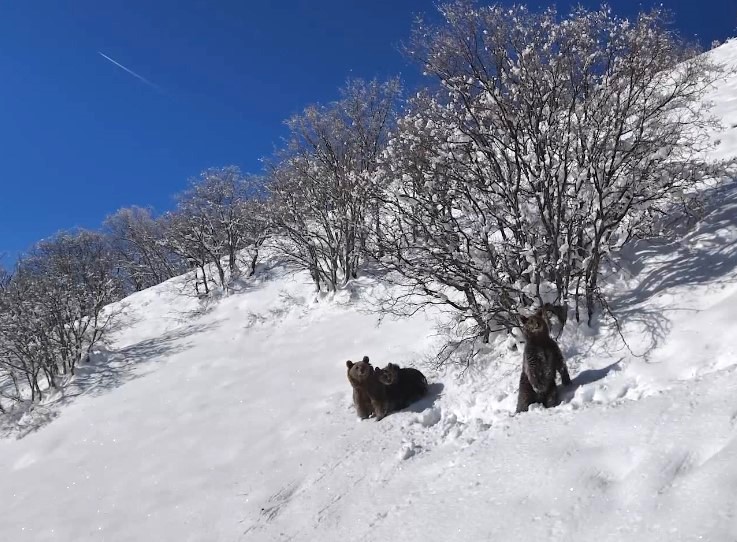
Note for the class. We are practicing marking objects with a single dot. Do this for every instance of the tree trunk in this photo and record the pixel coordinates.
(592, 280)
(254, 261)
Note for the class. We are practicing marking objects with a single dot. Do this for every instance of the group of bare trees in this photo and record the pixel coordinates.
(219, 220)
(323, 186)
(216, 229)
(141, 249)
(55, 305)
(543, 145)
(53, 311)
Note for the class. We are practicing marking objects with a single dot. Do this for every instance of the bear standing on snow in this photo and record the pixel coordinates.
(540, 361)
(404, 386)
(369, 395)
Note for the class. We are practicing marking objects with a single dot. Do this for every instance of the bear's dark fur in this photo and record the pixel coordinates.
(540, 361)
(369, 395)
(404, 386)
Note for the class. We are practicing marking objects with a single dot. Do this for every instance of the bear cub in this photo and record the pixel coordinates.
(369, 394)
(541, 359)
(404, 385)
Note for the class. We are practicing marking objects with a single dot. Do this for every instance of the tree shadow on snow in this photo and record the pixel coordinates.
(266, 271)
(705, 254)
(106, 370)
(111, 368)
(25, 418)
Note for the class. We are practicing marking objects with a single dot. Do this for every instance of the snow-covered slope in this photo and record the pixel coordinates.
(234, 421)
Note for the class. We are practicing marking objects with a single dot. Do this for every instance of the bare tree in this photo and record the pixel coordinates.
(189, 237)
(137, 239)
(217, 217)
(52, 309)
(10, 369)
(256, 229)
(322, 185)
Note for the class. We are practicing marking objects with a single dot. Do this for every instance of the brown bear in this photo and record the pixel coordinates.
(540, 361)
(369, 395)
(404, 385)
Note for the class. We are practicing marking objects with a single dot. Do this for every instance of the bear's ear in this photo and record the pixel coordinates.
(365, 359)
(523, 319)
(540, 311)
(349, 364)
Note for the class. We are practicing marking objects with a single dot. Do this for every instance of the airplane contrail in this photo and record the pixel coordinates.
(134, 74)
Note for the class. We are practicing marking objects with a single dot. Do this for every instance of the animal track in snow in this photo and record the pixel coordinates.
(277, 501)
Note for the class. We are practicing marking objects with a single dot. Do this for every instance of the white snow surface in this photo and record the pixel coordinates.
(234, 421)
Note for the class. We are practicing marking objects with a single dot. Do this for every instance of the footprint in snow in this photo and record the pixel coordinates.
(408, 450)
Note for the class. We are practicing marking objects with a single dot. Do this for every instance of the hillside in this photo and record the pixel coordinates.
(234, 421)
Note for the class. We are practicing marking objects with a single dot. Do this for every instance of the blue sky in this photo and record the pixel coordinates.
(80, 137)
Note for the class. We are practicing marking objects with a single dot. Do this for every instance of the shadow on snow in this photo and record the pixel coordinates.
(106, 370)
(705, 254)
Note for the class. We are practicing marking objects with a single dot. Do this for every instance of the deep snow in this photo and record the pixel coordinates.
(233, 421)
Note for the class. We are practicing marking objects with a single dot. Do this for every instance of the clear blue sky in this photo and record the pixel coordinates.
(80, 137)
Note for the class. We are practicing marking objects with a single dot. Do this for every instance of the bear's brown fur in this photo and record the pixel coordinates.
(541, 359)
(369, 395)
(404, 385)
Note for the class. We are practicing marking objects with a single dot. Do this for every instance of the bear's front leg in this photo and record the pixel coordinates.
(526, 395)
(380, 410)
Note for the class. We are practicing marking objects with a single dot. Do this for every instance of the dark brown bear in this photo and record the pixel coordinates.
(369, 395)
(404, 386)
(540, 361)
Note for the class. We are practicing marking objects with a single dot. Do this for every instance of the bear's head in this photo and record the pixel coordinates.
(388, 375)
(535, 325)
(361, 372)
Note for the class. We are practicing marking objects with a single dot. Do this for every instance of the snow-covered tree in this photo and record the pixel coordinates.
(217, 217)
(549, 142)
(322, 185)
(52, 308)
(137, 239)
